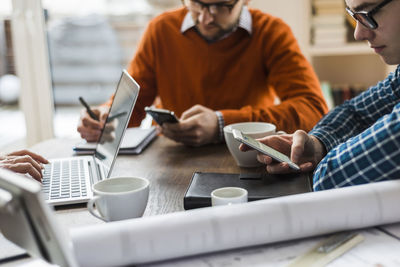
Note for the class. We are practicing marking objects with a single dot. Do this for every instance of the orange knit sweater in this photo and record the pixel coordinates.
(240, 75)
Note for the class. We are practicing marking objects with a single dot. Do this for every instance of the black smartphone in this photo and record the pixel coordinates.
(161, 115)
(269, 151)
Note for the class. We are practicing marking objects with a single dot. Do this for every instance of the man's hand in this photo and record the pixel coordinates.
(303, 149)
(109, 131)
(197, 126)
(89, 128)
(25, 162)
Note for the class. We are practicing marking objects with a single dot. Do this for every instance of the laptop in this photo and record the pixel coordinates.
(27, 220)
(69, 180)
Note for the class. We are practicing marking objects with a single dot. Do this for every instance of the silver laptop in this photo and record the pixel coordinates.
(27, 220)
(69, 180)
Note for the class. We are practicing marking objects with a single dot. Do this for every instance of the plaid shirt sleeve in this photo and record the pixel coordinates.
(362, 137)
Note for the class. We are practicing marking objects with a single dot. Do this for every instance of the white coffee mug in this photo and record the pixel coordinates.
(252, 129)
(228, 196)
(119, 198)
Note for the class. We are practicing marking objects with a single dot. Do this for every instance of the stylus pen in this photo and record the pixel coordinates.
(89, 111)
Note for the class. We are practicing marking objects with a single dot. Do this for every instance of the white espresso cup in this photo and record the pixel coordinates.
(252, 129)
(119, 198)
(228, 196)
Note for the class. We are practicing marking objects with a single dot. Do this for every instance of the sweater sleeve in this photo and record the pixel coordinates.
(291, 77)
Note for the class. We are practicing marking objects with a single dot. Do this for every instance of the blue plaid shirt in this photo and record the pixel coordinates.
(362, 137)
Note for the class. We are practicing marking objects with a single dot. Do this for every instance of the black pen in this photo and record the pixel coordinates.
(111, 117)
(89, 111)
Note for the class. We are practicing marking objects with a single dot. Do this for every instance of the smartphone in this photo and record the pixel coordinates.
(269, 151)
(161, 115)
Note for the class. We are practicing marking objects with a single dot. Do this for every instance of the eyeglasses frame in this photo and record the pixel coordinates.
(205, 5)
(368, 15)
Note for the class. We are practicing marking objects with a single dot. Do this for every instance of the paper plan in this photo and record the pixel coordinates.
(378, 249)
(213, 229)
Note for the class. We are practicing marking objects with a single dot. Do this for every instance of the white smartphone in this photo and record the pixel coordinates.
(269, 151)
(161, 115)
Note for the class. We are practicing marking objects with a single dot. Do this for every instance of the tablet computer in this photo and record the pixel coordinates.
(26, 220)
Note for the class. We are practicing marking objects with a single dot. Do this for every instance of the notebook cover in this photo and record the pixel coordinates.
(258, 185)
(135, 141)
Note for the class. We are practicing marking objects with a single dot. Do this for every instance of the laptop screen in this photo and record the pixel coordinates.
(117, 121)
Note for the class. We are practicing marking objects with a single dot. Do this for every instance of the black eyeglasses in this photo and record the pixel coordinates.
(366, 18)
(217, 9)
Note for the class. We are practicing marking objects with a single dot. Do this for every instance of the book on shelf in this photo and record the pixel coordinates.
(321, 8)
(330, 31)
(327, 93)
(318, 6)
(329, 23)
(328, 20)
(330, 42)
(347, 93)
(328, 2)
(329, 11)
(329, 5)
(329, 36)
(335, 95)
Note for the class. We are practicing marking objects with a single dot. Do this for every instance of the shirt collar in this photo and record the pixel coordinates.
(245, 21)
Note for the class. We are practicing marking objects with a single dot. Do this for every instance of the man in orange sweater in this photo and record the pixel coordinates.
(215, 63)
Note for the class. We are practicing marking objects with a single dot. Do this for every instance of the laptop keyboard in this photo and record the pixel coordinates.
(64, 179)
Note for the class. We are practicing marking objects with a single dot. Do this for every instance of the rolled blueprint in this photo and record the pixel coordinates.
(212, 229)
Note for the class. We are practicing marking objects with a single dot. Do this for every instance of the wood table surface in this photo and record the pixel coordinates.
(168, 166)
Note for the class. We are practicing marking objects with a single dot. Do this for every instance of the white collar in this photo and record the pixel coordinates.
(245, 21)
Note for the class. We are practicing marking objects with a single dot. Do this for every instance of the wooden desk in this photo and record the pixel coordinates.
(169, 167)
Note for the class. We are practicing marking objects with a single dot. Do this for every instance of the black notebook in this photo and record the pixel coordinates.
(258, 185)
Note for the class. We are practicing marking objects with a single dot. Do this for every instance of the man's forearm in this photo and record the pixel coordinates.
(373, 155)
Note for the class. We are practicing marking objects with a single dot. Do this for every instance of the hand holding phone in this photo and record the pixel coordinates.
(269, 151)
(161, 115)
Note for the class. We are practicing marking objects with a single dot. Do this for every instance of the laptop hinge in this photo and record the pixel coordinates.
(94, 177)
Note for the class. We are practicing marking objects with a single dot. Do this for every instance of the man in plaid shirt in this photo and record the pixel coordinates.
(359, 141)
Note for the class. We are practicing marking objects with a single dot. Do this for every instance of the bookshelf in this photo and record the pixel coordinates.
(359, 48)
(343, 63)
(340, 63)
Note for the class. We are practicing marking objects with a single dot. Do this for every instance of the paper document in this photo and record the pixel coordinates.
(219, 228)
